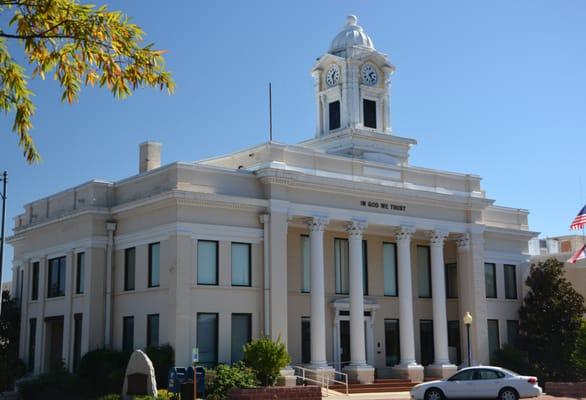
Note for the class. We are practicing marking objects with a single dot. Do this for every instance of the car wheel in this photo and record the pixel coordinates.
(434, 394)
(508, 394)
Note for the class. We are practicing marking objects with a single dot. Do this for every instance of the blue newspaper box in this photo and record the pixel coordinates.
(199, 379)
(177, 376)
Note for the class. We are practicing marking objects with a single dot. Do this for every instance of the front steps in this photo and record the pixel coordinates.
(378, 386)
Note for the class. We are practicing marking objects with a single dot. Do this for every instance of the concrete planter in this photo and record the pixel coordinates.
(277, 392)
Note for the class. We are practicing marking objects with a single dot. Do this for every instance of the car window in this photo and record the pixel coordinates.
(467, 375)
(489, 374)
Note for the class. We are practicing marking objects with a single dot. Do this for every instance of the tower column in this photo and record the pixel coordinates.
(441, 366)
(358, 370)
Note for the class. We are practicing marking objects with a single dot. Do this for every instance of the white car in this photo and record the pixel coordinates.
(479, 383)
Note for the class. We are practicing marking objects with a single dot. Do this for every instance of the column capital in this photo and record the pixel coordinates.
(404, 232)
(437, 237)
(463, 242)
(110, 226)
(355, 228)
(317, 224)
(264, 218)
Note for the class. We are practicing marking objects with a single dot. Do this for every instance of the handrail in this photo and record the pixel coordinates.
(325, 379)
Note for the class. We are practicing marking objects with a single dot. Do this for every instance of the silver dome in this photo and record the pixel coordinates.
(351, 35)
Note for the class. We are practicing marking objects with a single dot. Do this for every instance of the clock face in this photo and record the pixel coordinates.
(333, 75)
(369, 75)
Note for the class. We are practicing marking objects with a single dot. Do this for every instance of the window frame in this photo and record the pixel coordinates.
(35, 276)
(498, 336)
(305, 268)
(428, 266)
(337, 114)
(61, 277)
(431, 342)
(32, 344)
(306, 345)
(217, 266)
(150, 265)
(515, 296)
(149, 338)
(129, 284)
(450, 293)
(77, 339)
(80, 272)
(249, 333)
(396, 271)
(397, 346)
(340, 290)
(216, 339)
(374, 109)
(127, 336)
(510, 322)
(486, 284)
(249, 246)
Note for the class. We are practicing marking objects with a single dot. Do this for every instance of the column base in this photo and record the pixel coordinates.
(440, 371)
(413, 372)
(360, 373)
(320, 373)
(287, 377)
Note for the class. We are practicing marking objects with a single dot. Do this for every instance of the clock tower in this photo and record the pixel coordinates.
(352, 96)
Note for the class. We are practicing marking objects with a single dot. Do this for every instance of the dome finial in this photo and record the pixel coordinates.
(351, 20)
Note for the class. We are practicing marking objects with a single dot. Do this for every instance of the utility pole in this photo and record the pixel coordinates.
(4, 180)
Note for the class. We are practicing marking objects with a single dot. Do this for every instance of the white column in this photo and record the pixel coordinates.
(318, 301)
(438, 289)
(357, 347)
(407, 336)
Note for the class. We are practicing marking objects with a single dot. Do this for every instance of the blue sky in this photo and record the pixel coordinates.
(494, 88)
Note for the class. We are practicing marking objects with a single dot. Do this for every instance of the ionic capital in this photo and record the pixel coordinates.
(463, 242)
(317, 224)
(356, 228)
(404, 233)
(264, 218)
(437, 237)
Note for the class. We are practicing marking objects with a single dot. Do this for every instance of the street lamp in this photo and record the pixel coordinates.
(468, 322)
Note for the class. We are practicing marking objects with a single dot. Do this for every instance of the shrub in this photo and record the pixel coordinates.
(163, 358)
(579, 354)
(103, 370)
(57, 384)
(226, 378)
(510, 357)
(266, 358)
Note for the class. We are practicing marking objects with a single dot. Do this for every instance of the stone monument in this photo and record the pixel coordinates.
(140, 377)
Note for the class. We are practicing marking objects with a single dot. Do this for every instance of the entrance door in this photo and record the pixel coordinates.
(54, 342)
(345, 342)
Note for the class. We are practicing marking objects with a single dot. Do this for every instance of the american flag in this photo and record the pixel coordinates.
(579, 255)
(580, 220)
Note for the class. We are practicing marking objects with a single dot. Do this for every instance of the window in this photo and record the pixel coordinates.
(241, 264)
(510, 281)
(334, 112)
(451, 281)
(454, 342)
(305, 264)
(128, 334)
(241, 334)
(512, 332)
(35, 282)
(369, 109)
(32, 342)
(129, 268)
(426, 341)
(305, 340)
(207, 262)
(392, 346)
(494, 342)
(390, 269)
(56, 286)
(342, 268)
(207, 338)
(489, 374)
(468, 375)
(77, 325)
(80, 273)
(341, 257)
(152, 330)
(490, 280)
(154, 264)
(423, 271)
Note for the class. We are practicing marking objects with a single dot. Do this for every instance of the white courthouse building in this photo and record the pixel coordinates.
(354, 258)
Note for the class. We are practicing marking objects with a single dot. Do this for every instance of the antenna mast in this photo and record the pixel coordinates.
(270, 113)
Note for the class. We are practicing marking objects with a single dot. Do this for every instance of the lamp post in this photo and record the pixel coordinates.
(468, 322)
